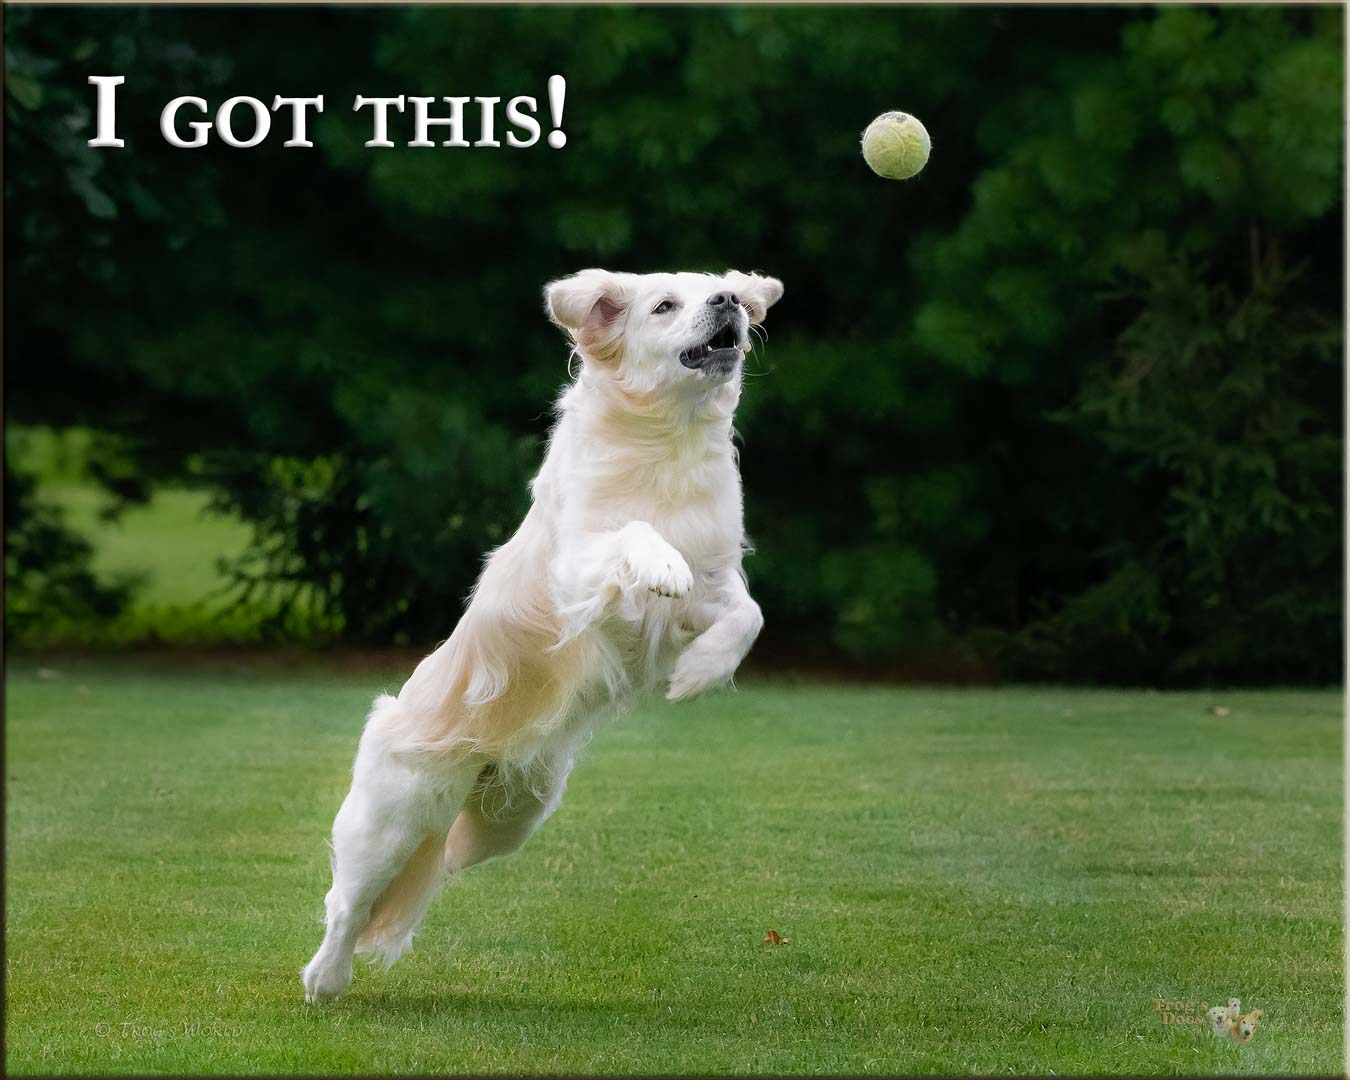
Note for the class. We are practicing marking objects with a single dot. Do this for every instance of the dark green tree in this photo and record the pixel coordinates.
(346, 344)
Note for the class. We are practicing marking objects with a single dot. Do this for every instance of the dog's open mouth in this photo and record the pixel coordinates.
(720, 351)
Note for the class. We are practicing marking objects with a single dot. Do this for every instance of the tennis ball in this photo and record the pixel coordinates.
(896, 145)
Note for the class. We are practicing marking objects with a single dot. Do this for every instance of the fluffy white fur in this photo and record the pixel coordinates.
(625, 576)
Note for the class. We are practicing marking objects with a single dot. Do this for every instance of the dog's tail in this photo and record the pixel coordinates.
(399, 911)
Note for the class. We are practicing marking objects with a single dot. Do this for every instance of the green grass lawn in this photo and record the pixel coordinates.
(173, 542)
(170, 547)
(968, 881)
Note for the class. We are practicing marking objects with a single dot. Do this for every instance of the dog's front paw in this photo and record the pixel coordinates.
(695, 673)
(654, 564)
(668, 576)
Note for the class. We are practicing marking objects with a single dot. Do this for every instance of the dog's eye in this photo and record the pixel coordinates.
(663, 307)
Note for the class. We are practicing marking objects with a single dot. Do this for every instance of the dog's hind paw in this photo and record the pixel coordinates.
(325, 980)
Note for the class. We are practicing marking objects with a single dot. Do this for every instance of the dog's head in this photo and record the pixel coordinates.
(655, 331)
(1218, 1017)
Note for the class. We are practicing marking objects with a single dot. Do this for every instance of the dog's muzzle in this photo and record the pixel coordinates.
(720, 351)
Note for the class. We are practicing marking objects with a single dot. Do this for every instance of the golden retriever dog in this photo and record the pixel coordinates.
(1244, 1027)
(625, 576)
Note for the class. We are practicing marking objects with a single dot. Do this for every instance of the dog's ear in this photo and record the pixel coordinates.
(589, 305)
(757, 293)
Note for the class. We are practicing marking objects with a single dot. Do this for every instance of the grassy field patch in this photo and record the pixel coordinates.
(173, 542)
(968, 881)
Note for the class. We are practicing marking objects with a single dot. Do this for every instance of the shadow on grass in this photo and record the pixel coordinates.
(467, 1004)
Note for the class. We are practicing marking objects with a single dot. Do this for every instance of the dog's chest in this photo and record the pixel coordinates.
(696, 509)
(646, 637)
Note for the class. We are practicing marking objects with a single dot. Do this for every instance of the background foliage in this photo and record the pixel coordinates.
(1068, 405)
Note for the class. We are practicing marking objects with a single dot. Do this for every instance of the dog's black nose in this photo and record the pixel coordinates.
(720, 298)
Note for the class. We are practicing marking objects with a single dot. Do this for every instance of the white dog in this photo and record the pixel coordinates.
(626, 573)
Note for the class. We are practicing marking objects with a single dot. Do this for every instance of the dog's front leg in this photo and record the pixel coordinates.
(597, 570)
(713, 657)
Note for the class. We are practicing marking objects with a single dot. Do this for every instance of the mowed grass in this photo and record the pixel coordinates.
(170, 548)
(968, 881)
(171, 544)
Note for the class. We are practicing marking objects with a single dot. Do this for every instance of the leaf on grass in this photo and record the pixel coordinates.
(773, 937)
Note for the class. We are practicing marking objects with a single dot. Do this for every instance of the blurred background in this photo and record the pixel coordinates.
(1067, 406)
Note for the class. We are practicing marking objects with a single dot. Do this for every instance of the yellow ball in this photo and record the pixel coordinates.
(896, 145)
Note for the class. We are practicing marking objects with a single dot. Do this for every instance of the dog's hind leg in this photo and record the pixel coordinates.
(395, 813)
(500, 816)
